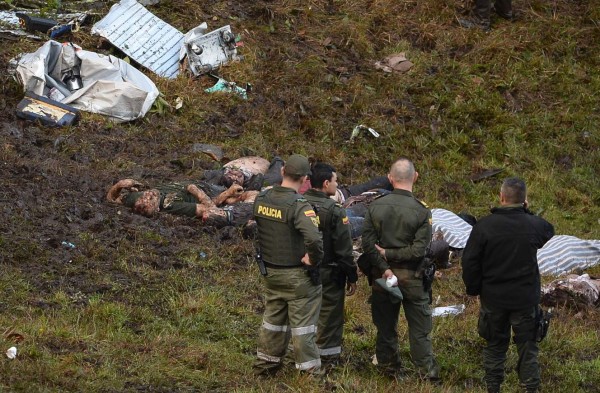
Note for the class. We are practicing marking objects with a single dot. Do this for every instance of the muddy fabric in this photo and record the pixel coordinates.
(380, 182)
(174, 199)
(233, 215)
(572, 290)
(483, 9)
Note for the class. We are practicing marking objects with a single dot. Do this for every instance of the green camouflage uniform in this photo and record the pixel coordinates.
(401, 225)
(287, 229)
(337, 267)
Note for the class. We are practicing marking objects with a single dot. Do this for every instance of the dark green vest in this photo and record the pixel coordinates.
(324, 208)
(280, 242)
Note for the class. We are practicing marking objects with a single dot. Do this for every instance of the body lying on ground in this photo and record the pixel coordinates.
(186, 199)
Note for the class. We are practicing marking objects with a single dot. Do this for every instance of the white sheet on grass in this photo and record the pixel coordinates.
(561, 254)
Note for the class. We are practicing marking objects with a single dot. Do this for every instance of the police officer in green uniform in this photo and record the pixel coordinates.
(291, 248)
(500, 265)
(397, 231)
(338, 269)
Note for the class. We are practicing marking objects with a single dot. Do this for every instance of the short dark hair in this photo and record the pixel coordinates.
(292, 177)
(320, 173)
(514, 190)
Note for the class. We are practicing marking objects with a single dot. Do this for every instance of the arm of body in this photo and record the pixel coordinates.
(113, 194)
(305, 221)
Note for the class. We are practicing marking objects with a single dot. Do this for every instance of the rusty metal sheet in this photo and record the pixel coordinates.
(143, 36)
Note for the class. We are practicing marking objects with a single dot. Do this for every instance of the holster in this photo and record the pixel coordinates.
(542, 323)
(427, 272)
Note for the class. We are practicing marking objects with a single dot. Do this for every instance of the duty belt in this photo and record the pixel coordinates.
(273, 266)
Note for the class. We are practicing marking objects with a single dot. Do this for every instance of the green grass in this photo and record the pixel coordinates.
(135, 307)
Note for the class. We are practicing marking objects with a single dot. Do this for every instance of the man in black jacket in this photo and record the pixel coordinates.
(500, 265)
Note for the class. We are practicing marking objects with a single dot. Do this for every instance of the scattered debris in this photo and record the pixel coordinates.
(53, 28)
(159, 46)
(34, 23)
(207, 51)
(18, 33)
(68, 245)
(574, 290)
(88, 81)
(359, 128)
(485, 174)
(16, 337)
(178, 103)
(214, 152)
(142, 36)
(448, 310)
(49, 112)
(11, 353)
(229, 87)
(394, 63)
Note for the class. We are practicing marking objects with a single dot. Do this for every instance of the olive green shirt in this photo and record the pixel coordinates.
(400, 224)
(335, 226)
(174, 199)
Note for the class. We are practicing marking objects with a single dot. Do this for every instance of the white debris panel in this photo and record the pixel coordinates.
(109, 86)
(143, 37)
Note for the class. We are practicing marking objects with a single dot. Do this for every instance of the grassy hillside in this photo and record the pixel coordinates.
(164, 304)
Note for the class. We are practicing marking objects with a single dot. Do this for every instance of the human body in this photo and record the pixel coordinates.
(338, 270)
(289, 241)
(186, 199)
(397, 230)
(500, 266)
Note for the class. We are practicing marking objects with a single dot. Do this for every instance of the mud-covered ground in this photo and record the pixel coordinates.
(473, 101)
(56, 226)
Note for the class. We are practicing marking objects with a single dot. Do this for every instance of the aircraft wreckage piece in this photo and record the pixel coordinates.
(160, 47)
(142, 36)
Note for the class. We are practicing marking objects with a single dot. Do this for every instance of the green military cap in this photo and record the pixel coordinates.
(297, 165)
(394, 291)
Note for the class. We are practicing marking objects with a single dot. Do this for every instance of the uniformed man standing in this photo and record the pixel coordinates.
(397, 231)
(292, 249)
(500, 265)
(338, 269)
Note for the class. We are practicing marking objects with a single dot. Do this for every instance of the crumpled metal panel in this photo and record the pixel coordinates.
(143, 36)
(211, 50)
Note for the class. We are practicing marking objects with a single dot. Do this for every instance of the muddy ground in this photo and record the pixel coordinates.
(56, 226)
